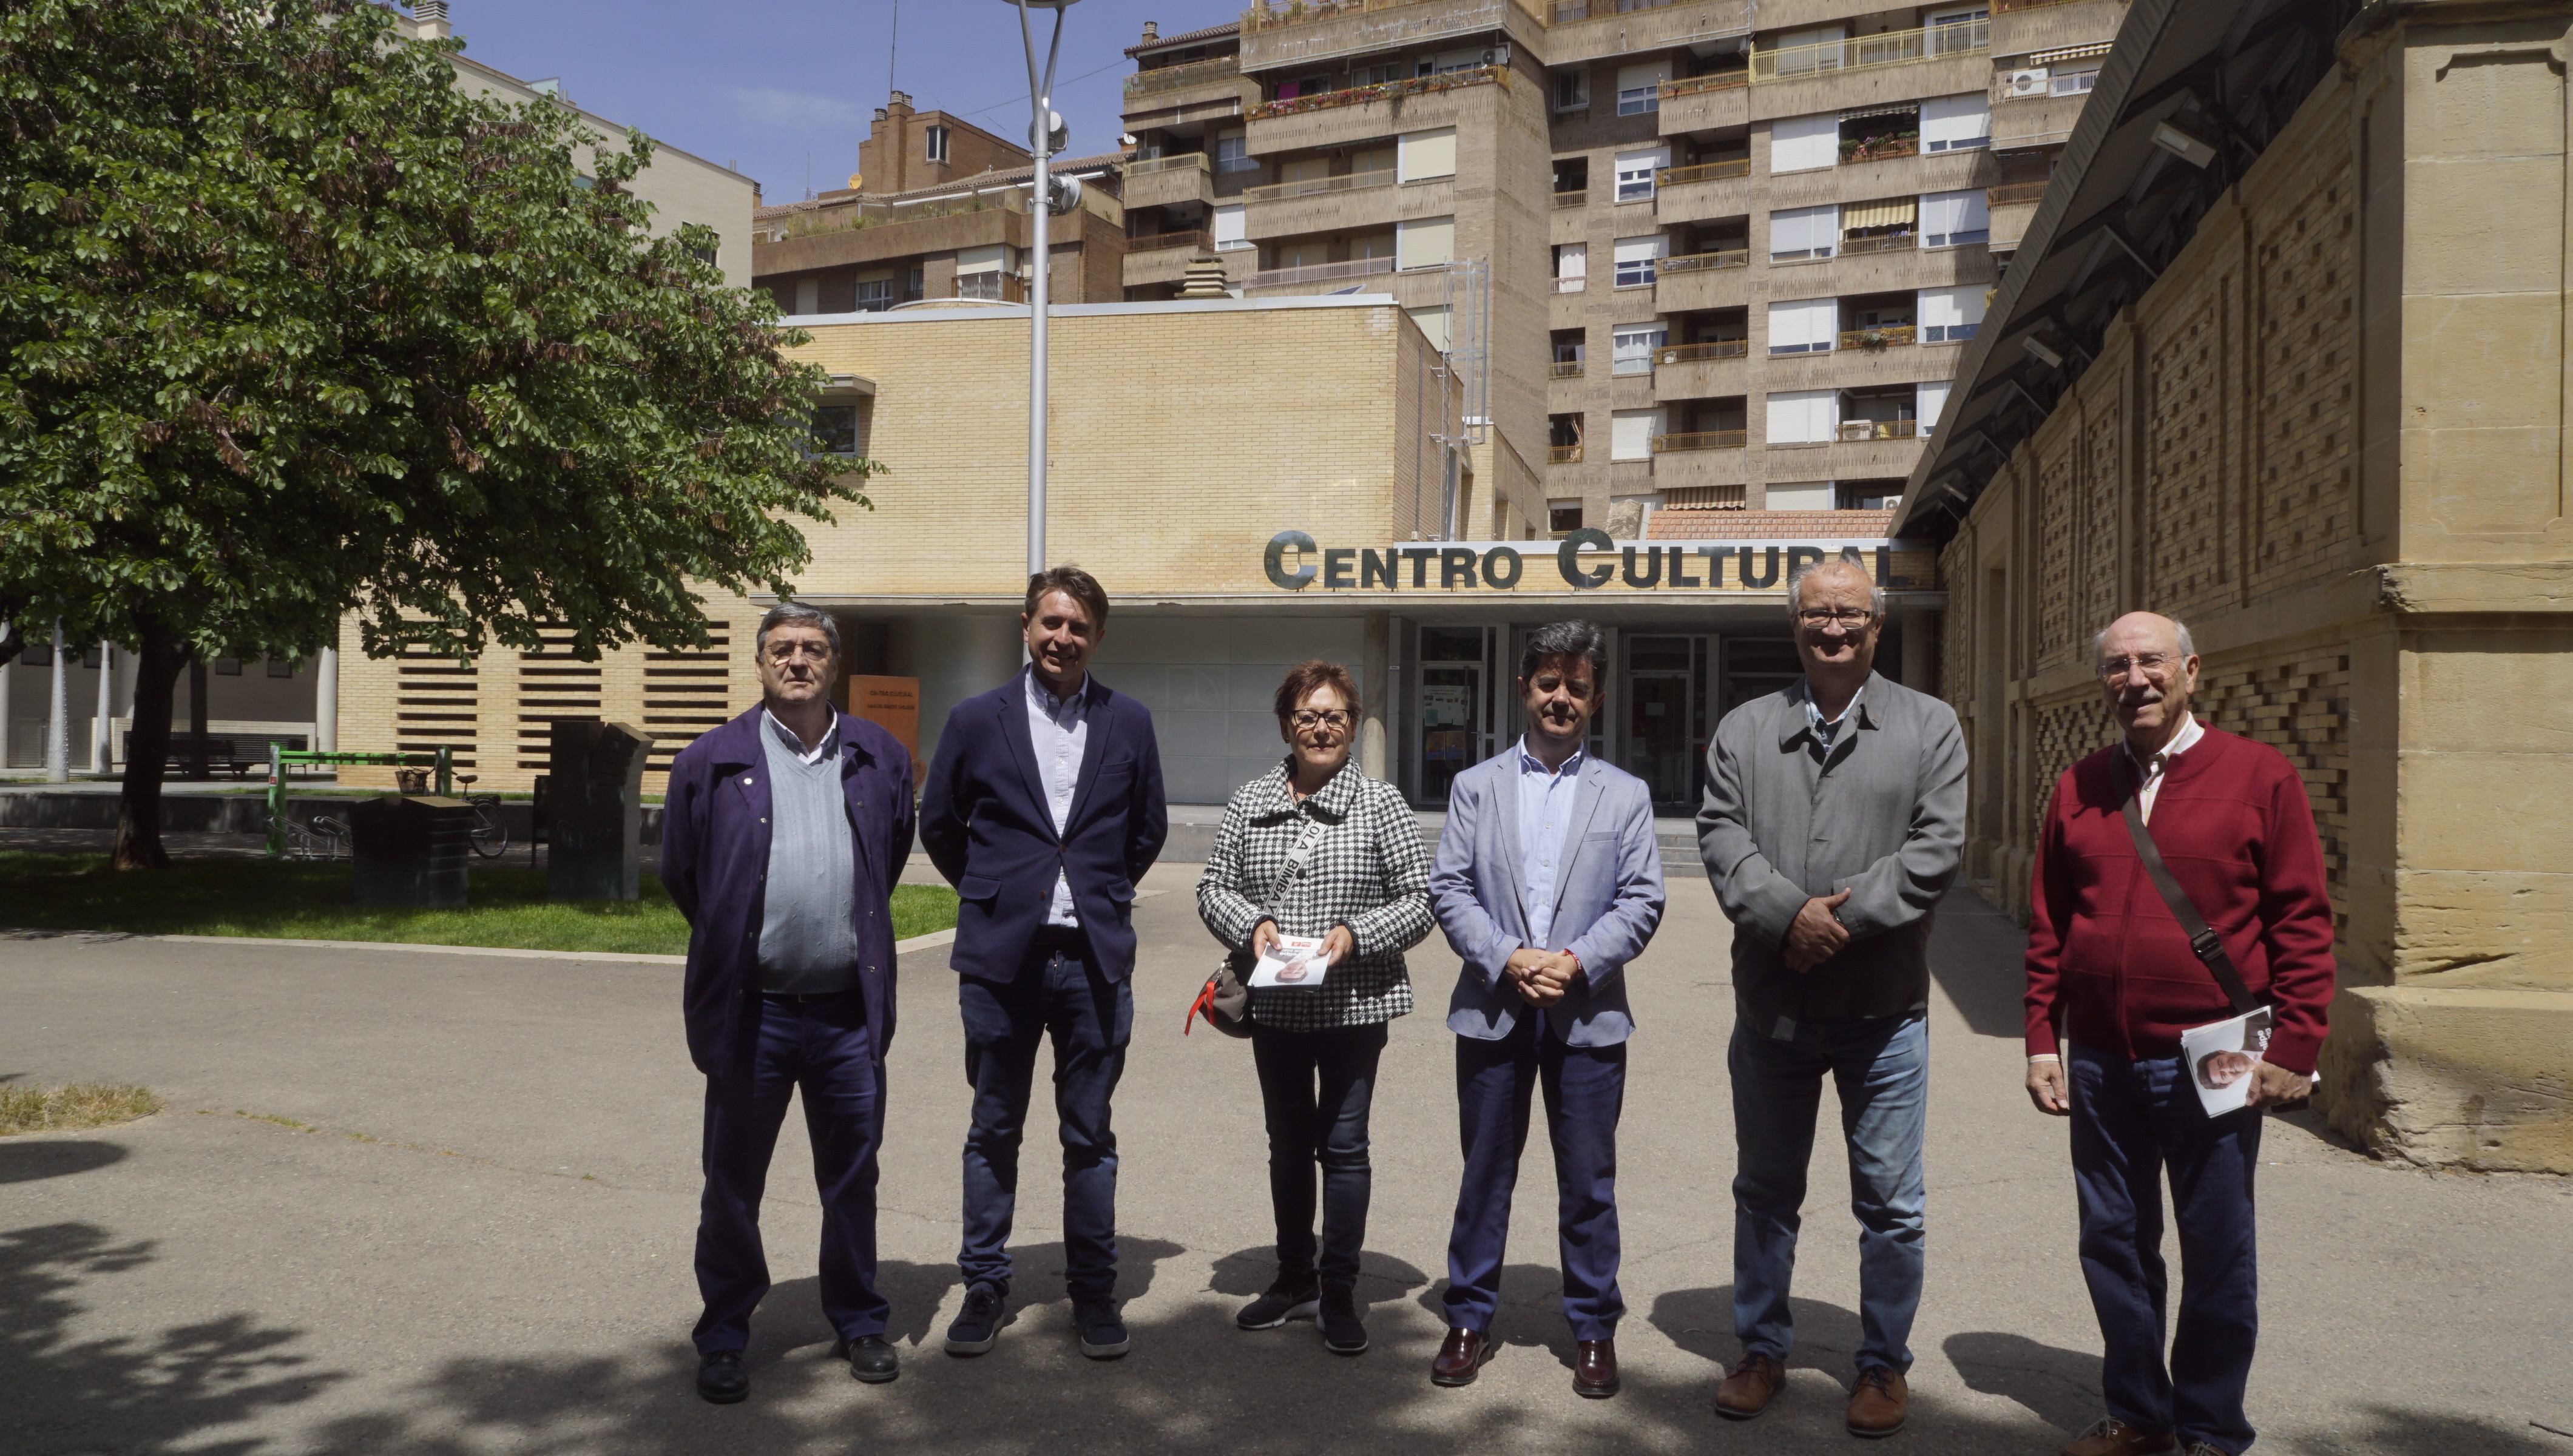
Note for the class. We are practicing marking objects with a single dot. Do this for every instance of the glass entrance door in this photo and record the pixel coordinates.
(1666, 717)
(1453, 706)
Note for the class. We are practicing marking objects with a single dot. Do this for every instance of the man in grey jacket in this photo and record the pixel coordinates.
(1833, 816)
(1548, 881)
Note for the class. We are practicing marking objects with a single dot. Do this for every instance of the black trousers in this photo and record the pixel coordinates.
(1315, 1089)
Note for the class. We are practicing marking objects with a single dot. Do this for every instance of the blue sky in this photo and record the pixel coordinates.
(766, 84)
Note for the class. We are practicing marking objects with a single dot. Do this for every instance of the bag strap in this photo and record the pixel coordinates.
(2208, 946)
(1297, 858)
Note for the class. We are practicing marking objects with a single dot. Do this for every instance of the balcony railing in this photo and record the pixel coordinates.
(1864, 429)
(1701, 261)
(1262, 17)
(1563, 454)
(1318, 186)
(991, 287)
(1881, 336)
(1566, 12)
(1318, 273)
(1680, 354)
(1703, 439)
(1146, 166)
(2014, 192)
(1889, 242)
(1712, 81)
(1703, 172)
(1863, 52)
(1381, 91)
(1878, 148)
(1156, 242)
(1705, 497)
(1180, 78)
(1565, 368)
(1572, 198)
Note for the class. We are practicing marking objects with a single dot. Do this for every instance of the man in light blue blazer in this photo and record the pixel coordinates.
(1548, 880)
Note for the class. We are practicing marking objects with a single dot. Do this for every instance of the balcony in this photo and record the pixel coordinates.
(1565, 368)
(1889, 242)
(1317, 272)
(1702, 194)
(1381, 91)
(1156, 182)
(1883, 336)
(1704, 440)
(1262, 18)
(1857, 431)
(1715, 102)
(1319, 186)
(1696, 280)
(1195, 238)
(2014, 192)
(1702, 172)
(1563, 454)
(1878, 148)
(1163, 80)
(1595, 30)
(1867, 52)
(1704, 262)
(1576, 197)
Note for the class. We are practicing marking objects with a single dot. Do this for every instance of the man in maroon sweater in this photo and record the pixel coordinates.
(2110, 964)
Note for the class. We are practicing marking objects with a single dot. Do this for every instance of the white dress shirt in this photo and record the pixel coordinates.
(1059, 728)
(795, 745)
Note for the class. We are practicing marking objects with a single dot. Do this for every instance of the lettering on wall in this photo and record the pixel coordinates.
(1585, 560)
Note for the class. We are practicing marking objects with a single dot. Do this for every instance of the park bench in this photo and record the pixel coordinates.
(239, 754)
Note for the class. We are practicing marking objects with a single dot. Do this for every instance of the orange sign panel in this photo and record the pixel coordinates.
(891, 703)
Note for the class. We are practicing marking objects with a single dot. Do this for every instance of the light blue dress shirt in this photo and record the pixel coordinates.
(1825, 730)
(1061, 731)
(1545, 818)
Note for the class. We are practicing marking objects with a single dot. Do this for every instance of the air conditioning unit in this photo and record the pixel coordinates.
(2027, 83)
(1499, 55)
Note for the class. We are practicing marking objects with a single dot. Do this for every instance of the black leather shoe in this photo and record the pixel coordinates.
(871, 1359)
(978, 1324)
(1595, 1369)
(720, 1378)
(1462, 1357)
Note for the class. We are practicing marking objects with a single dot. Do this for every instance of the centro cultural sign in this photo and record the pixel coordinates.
(1294, 562)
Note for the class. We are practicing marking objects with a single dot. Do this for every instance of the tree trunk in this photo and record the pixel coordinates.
(200, 765)
(155, 685)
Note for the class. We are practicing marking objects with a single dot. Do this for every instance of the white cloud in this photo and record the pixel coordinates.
(797, 110)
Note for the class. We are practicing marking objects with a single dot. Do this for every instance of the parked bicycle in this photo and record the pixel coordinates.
(324, 838)
(491, 838)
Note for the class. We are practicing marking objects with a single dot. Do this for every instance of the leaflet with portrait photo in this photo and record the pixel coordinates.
(2219, 1058)
(1293, 961)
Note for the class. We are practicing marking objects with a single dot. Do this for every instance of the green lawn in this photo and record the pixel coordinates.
(312, 902)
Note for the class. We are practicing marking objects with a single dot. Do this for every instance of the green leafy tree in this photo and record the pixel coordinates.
(293, 329)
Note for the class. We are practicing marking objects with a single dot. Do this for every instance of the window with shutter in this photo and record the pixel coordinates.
(1632, 347)
(1228, 234)
(1929, 397)
(1636, 256)
(1805, 326)
(1630, 433)
(1949, 316)
(1802, 416)
(1953, 218)
(1635, 173)
(1424, 243)
(1428, 154)
(1955, 123)
(1639, 88)
(1803, 143)
(1804, 233)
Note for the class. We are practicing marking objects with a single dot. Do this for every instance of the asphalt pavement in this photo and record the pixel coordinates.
(420, 1204)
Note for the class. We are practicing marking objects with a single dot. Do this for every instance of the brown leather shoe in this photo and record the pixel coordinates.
(1462, 1357)
(2110, 1436)
(1878, 1406)
(1748, 1390)
(1595, 1369)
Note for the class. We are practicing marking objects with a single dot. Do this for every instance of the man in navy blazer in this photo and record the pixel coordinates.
(783, 833)
(1548, 880)
(1044, 808)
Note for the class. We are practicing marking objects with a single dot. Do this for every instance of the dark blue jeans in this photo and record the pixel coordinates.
(1586, 1092)
(1058, 995)
(1881, 1068)
(1314, 1090)
(2133, 1121)
(819, 1045)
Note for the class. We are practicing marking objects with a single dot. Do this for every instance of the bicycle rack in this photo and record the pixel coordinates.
(281, 759)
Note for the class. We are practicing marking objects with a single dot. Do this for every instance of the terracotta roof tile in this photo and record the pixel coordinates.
(1187, 38)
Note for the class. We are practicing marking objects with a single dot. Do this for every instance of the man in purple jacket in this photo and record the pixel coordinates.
(782, 834)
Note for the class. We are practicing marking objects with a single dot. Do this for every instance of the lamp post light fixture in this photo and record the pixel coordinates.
(1045, 135)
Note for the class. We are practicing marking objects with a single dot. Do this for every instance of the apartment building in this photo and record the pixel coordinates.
(1726, 250)
(939, 210)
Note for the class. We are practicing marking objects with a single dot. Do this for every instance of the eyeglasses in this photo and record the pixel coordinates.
(1825, 617)
(1309, 719)
(788, 651)
(2155, 666)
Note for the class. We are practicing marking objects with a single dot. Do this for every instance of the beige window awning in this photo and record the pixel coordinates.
(1856, 113)
(2069, 53)
(1901, 212)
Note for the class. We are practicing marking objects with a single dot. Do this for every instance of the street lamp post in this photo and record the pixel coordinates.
(1043, 133)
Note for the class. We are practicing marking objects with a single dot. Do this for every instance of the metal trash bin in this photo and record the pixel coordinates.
(412, 850)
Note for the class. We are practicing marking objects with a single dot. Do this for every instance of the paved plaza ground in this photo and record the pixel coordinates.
(427, 1202)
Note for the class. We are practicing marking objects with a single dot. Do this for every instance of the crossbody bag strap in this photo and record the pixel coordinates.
(1297, 858)
(2208, 946)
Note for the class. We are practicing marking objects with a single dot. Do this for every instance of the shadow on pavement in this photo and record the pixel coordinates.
(127, 1392)
(25, 1162)
(2062, 1387)
(1700, 1321)
(1247, 1274)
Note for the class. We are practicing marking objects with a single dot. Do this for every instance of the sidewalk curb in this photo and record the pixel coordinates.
(625, 957)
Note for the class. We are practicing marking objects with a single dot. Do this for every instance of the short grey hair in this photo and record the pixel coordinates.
(1796, 585)
(2180, 629)
(802, 616)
